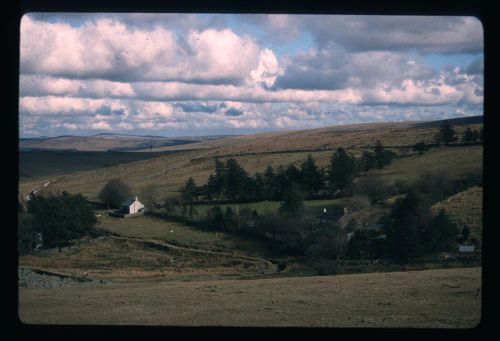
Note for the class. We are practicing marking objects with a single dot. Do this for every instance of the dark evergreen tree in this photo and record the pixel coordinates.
(236, 181)
(61, 217)
(258, 187)
(442, 233)
(446, 134)
(269, 183)
(188, 198)
(212, 190)
(468, 136)
(292, 175)
(407, 234)
(282, 183)
(342, 170)
(219, 181)
(368, 161)
(383, 157)
(311, 178)
(293, 205)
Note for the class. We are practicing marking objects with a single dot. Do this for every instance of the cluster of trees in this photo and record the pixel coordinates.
(60, 218)
(411, 229)
(232, 183)
(379, 158)
(447, 135)
(472, 136)
(414, 232)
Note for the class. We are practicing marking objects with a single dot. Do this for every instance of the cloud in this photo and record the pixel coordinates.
(280, 28)
(100, 125)
(108, 49)
(181, 74)
(70, 126)
(334, 69)
(395, 33)
(55, 105)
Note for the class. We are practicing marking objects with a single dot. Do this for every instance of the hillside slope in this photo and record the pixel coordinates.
(465, 209)
(255, 152)
(103, 142)
(170, 172)
(421, 299)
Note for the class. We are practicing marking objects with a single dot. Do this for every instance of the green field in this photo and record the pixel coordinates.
(156, 228)
(314, 207)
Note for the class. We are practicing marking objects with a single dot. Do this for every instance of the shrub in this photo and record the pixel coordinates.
(374, 188)
(326, 267)
(421, 147)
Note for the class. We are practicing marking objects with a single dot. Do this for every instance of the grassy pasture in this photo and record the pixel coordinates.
(354, 135)
(47, 164)
(170, 172)
(119, 260)
(444, 298)
(465, 209)
(154, 228)
(455, 162)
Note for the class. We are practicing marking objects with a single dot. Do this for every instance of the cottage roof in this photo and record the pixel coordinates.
(129, 201)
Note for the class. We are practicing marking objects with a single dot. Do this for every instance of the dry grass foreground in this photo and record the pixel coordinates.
(422, 299)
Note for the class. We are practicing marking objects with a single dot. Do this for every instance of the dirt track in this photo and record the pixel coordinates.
(272, 268)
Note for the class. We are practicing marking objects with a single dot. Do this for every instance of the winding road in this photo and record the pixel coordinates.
(37, 188)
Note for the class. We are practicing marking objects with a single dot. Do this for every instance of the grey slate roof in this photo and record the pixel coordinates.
(129, 201)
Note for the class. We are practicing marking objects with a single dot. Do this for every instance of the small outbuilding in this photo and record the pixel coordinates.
(466, 249)
(132, 206)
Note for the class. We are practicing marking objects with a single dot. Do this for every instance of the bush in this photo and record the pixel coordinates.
(215, 217)
(436, 186)
(326, 267)
(374, 188)
(421, 147)
(61, 217)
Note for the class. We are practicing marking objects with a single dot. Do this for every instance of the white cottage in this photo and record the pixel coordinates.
(132, 205)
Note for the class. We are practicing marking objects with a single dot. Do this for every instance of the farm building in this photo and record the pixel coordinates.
(132, 205)
(466, 248)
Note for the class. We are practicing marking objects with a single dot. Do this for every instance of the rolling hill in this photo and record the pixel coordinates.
(105, 141)
(255, 152)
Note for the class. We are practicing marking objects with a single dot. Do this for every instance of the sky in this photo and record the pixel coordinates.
(210, 74)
